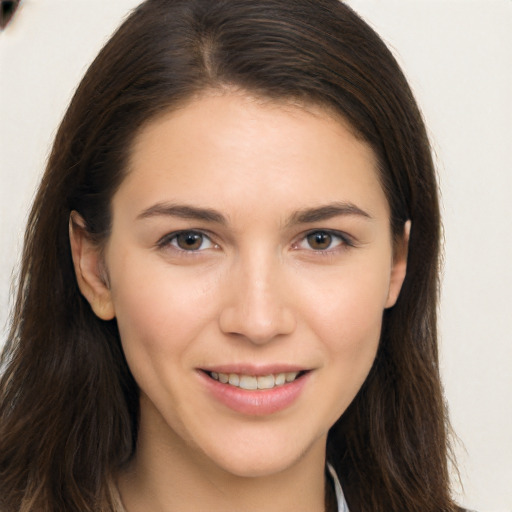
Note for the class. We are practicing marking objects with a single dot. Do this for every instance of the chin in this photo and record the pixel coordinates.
(265, 455)
(257, 467)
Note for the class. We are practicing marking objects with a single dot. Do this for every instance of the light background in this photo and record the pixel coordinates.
(458, 58)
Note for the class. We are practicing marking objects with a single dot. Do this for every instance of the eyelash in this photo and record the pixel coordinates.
(344, 241)
(168, 240)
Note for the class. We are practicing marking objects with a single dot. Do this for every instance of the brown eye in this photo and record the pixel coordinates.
(189, 241)
(319, 240)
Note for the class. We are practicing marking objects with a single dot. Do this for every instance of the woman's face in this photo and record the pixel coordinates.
(250, 243)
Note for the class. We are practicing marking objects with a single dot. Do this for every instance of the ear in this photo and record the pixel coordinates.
(89, 268)
(399, 267)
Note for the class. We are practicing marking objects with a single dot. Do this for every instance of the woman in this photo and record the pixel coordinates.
(228, 292)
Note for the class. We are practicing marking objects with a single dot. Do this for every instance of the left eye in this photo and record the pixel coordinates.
(321, 241)
(190, 241)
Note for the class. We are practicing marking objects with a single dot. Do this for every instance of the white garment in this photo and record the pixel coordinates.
(340, 497)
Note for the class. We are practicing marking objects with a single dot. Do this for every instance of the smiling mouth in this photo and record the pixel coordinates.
(253, 382)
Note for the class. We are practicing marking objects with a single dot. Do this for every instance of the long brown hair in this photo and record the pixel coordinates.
(68, 402)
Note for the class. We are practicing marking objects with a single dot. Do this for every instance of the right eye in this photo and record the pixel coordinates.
(189, 241)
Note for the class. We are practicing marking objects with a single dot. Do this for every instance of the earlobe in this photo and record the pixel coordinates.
(89, 268)
(399, 268)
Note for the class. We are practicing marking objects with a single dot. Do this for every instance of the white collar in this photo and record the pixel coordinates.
(340, 498)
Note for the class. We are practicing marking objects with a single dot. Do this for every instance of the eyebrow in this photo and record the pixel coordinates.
(303, 216)
(184, 212)
(310, 215)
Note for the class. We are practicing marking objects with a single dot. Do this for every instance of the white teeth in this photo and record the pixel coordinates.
(248, 382)
(280, 379)
(290, 376)
(234, 379)
(266, 382)
(252, 382)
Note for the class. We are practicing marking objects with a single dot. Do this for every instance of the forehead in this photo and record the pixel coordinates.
(229, 147)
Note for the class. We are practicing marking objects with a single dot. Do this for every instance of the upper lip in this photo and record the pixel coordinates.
(252, 369)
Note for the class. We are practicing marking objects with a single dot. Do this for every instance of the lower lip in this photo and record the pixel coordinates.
(256, 402)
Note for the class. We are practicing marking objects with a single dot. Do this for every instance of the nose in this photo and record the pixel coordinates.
(258, 307)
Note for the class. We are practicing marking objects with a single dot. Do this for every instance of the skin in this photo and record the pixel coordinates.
(255, 290)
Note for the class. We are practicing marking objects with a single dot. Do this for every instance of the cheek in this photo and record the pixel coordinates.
(158, 311)
(348, 305)
(351, 333)
(346, 316)
(349, 326)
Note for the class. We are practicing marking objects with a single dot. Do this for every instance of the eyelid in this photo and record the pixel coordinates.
(346, 241)
(166, 240)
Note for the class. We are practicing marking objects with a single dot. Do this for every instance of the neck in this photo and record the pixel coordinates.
(167, 475)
